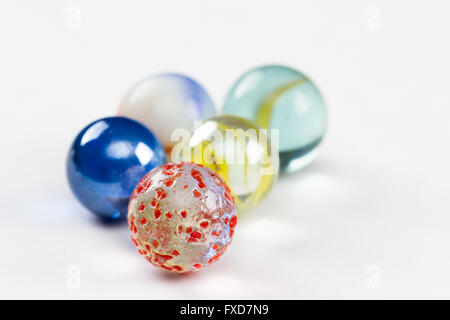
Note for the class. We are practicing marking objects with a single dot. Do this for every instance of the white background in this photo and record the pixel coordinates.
(368, 219)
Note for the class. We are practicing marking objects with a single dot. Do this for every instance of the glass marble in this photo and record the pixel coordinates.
(165, 102)
(280, 97)
(106, 161)
(181, 217)
(239, 152)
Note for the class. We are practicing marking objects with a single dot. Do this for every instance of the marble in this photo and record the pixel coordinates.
(166, 102)
(279, 97)
(239, 152)
(182, 217)
(106, 161)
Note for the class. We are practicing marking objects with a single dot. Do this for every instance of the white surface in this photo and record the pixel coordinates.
(368, 219)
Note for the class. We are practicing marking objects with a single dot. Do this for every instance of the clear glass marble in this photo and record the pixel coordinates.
(182, 217)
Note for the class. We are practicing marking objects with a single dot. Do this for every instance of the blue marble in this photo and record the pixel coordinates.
(106, 161)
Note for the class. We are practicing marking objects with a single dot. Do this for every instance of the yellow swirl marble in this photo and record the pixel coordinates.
(239, 151)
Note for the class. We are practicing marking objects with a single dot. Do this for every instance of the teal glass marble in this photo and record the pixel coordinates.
(279, 97)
